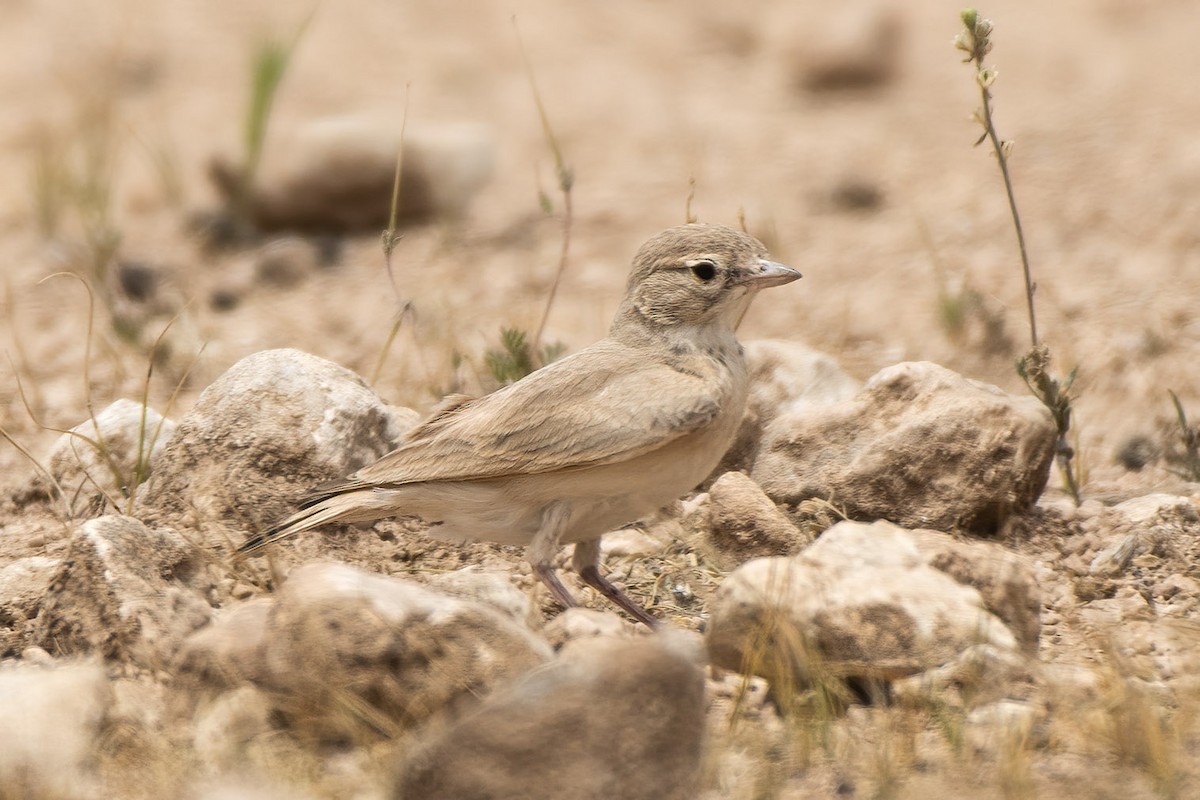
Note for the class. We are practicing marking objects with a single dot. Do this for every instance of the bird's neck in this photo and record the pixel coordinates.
(634, 328)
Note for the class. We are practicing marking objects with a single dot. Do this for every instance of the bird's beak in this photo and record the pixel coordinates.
(767, 273)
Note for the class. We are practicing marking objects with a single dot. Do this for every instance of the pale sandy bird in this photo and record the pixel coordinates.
(591, 442)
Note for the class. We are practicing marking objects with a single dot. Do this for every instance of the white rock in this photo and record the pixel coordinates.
(861, 600)
(584, 623)
(1007, 581)
(1153, 508)
(281, 421)
(112, 596)
(102, 455)
(50, 727)
(351, 653)
(490, 587)
(631, 543)
(920, 446)
(784, 377)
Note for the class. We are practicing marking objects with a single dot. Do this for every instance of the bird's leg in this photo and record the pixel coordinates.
(544, 547)
(586, 561)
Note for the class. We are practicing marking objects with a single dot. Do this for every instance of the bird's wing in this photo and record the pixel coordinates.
(605, 404)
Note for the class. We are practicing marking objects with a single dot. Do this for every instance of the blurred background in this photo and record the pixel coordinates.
(840, 133)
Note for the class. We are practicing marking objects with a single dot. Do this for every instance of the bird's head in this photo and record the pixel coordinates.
(699, 274)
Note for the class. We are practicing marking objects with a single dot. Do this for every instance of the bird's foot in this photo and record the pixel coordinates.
(546, 574)
(592, 577)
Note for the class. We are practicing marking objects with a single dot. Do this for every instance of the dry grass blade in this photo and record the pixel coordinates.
(566, 180)
(390, 239)
(271, 61)
(1190, 439)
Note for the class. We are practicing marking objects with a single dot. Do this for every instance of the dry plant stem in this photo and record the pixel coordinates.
(22, 361)
(1034, 367)
(566, 179)
(1190, 439)
(390, 239)
(984, 78)
(142, 462)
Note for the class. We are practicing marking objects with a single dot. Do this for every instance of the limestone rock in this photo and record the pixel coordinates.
(222, 729)
(336, 174)
(784, 376)
(980, 674)
(229, 652)
(102, 456)
(51, 723)
(920, 446)
(490, 587)
(350, 652)
(616, 718)
(854, 45)
(273, 426)
(285, 262)
(584, 623)
(1005, 580)
(746, 524)
(861, 602)
(631, 543)
(23, 587)
(121, 593)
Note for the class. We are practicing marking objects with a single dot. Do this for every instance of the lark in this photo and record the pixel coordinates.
(588, 443)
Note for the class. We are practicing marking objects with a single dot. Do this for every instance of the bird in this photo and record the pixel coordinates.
(593, 441)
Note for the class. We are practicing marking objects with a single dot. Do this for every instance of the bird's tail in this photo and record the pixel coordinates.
(344, 503)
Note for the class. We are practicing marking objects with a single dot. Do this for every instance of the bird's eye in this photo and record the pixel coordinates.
(704, 269)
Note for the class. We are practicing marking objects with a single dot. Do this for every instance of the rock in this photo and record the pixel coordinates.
(847, 46)
(617, 718)
(745, 523)
(980, 674)
(631, 543)
(351, 654)
(23, 586)
(273, 426)
(51, 723)
(1154, 509)
(1152, 533)
(1176, 585)
(920, 446)
(120, 593)
(337, 174)
(1005, 580)
(1113, 559)
(492, 588)
(860, 602)
(285, 262)
(248, 789)
(1138, 451)
(36, 655)
(222, 729)
(1004, 724)
(784, 376)
(229, 652)
(584, 623)
(102, 456)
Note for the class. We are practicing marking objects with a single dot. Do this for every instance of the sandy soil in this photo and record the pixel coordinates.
(1099, 98)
